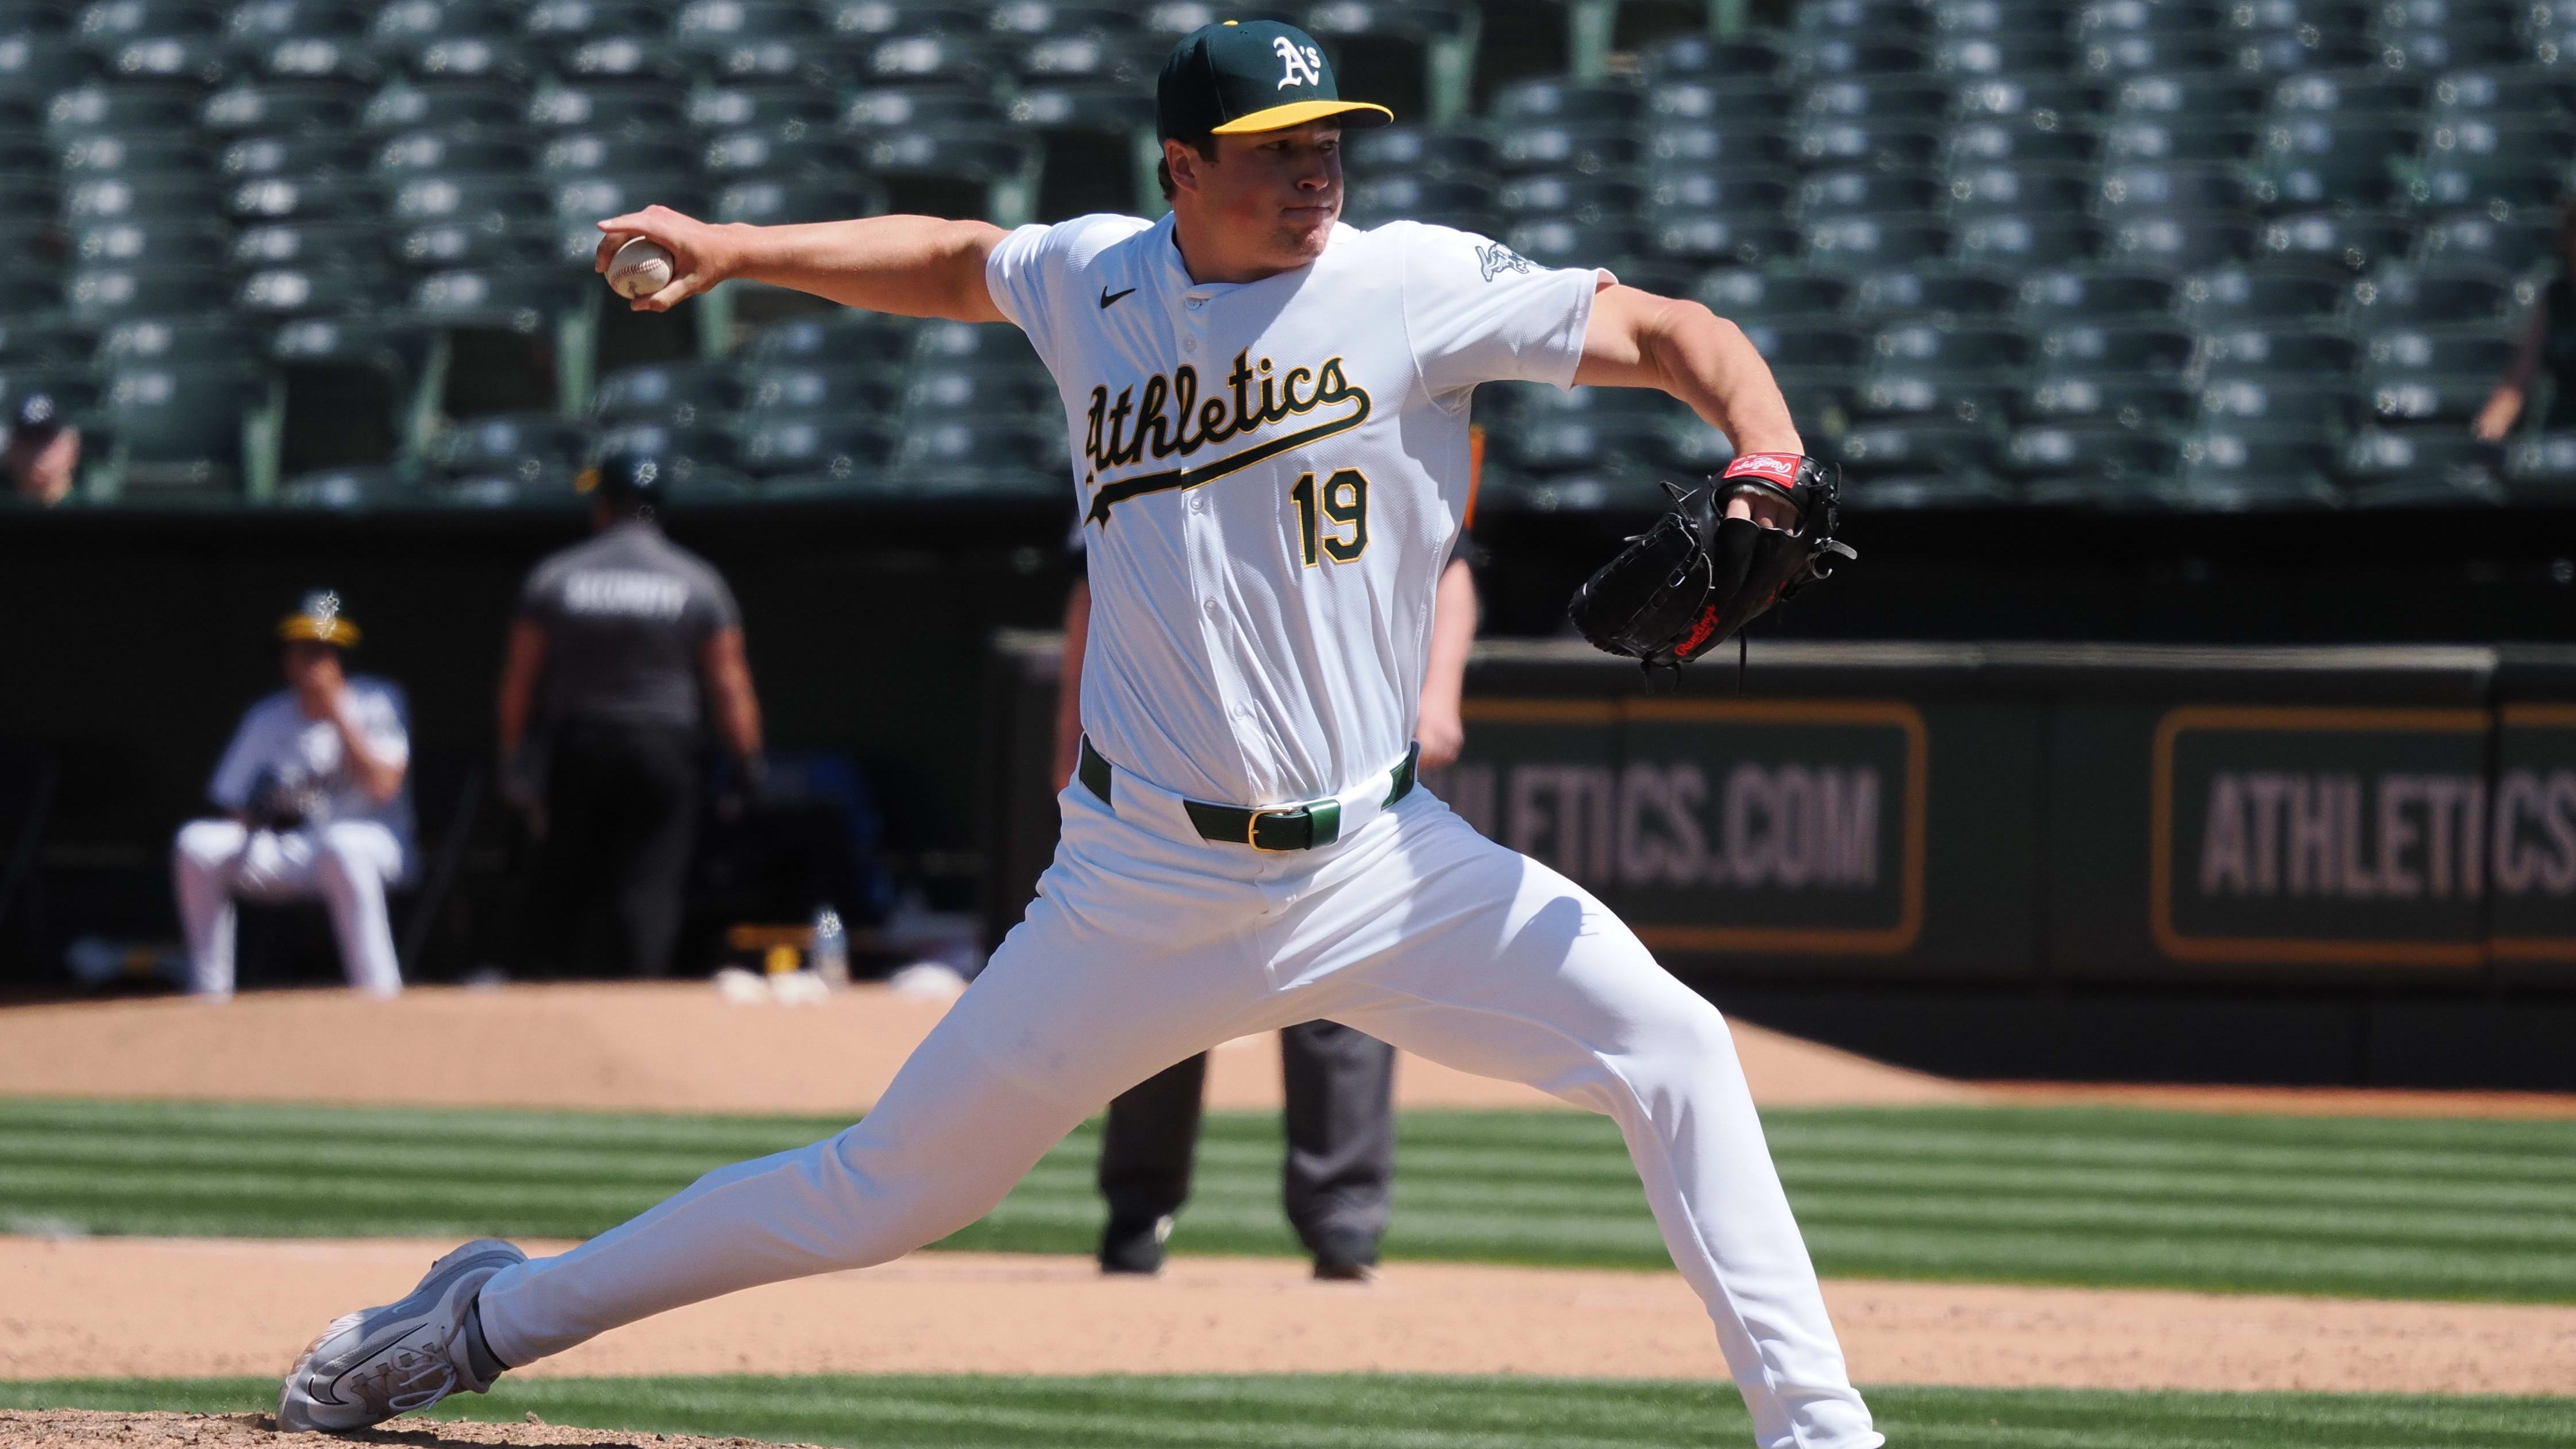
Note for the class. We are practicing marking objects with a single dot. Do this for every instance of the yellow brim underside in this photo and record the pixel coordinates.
(1298, 113)
(341, 633)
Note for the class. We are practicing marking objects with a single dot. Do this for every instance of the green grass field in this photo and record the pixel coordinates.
(1400, 1412)
(2378, 1208)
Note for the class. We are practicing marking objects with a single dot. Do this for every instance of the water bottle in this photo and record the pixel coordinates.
(830, 956)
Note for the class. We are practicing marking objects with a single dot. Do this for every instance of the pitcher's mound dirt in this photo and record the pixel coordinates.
(669, 1047)
(60, 1428)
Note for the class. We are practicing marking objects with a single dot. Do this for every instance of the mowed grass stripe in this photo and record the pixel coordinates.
(2384, 1208)
(1329, 1411)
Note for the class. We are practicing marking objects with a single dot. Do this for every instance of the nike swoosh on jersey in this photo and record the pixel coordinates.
(1107, 296)
(1126, 488)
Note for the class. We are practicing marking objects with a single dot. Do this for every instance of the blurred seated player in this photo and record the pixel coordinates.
(603, 729)
(43, 451)
(313, 790)
(1339, 1081)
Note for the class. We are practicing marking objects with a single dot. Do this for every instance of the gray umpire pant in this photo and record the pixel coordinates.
(1341, 1136)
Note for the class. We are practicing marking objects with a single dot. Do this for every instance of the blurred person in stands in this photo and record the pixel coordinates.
(2548, 345)
(1339, 1081)
(313, 790)
(623, 645)
(43, 451)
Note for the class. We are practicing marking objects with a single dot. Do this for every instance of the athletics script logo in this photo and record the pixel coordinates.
(1299, 66)
(1494, 258)
(1170, 419)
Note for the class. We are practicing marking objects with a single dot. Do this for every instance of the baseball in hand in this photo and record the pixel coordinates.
(640, 268)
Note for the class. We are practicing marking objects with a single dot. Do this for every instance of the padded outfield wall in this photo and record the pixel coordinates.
(2276, 864)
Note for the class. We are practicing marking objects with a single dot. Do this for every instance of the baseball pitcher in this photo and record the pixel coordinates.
(1269, 427)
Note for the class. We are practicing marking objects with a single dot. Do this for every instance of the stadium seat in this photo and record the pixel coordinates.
(2235, 295)
(1866, 191)
(578, 152)
(689, 447)
(1719, 238)
(562, 24)
(2359, 93)
(1559, 241)
(2355, 242)
(835, 447)
(2112, 18)
(790, 389)
(2285, 400)
(161, 241)
(2406, 296)
(1950, 348)
(1873, 243)
(626, 109)
(477, 244)
(2188, 140)
(1937, 294)
(171, 341)
(748, 107)
(1875, 449)
(1850, 54)
(622, 58)
(934, 392)
(2209, 95)
(2275, 351)
(2490, 161)
(131, 153)
(2021, 240)
(2347, 17)
(1977, 188)
(496, 202)
(2137, 347)
(771, 202)
(2117, 56)
(301, 198)
(1698, 145)
(1927, 392)
(2381, 455)
(411, 106)
(948, 59)
(1807, 342)
(414, 152)
(1996, 16)
(2447, 48)
(1862, 143)
(176, 428)
(1419, 151)
(2289, 52)
(2059, 98)
(2542, 467)
(351, 489)
(1593, 146)
(1588, 199)
(1831, 17)
(272, 292)
(2101, 451)
(2028, 140)
(296, 154)
(99, 294)
(2140, 401)
(2502, 90)
(2184, 243)
(790, 149)
(1702, 54)
(844, 338)
(41, 338)
(1744, 294)
(404, 24)
(516, 301)
(1741, 191)
(2014, 53)
(2312, 161)
(1462, 202)
(2423, 375)
(1919, 101)
(2512, 242)
(126, 107)
(1917, 491)
(1734, 104)
(473, 58)
(2128, 191)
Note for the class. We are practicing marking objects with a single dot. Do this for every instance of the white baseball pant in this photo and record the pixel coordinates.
(1147, 944)
(347, 863)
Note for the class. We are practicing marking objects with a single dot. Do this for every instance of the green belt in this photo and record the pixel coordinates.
(1273, 827)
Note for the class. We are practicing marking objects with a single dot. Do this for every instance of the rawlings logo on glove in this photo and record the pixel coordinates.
(1692, 581)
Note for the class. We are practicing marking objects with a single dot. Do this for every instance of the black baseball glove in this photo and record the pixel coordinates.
(1686, 585)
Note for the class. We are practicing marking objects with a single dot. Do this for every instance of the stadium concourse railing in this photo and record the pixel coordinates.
(2336, 821)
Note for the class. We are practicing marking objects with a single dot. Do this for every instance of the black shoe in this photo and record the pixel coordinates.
(1346, 1258)
(1135, 1247)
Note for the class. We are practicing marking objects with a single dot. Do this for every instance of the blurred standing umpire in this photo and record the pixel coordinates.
(622, 647)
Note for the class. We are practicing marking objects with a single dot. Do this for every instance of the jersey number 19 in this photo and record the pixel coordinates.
(1344, 504)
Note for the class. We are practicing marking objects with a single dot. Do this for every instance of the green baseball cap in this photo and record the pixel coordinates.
(1236, 77)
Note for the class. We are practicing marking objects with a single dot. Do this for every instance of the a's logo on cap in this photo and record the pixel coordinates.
(1299, 65)
(322, 607)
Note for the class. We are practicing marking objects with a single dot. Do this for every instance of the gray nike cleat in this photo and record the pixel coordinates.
(378, 1362)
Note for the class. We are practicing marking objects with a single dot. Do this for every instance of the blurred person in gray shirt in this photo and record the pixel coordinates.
(623, 646)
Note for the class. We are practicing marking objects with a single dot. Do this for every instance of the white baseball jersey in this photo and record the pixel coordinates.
(1270, 475)
(275, 737)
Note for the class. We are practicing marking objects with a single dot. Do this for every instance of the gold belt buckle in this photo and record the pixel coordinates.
(1252, 828)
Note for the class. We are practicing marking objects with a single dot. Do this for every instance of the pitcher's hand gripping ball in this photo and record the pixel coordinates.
(1686, 585)
(640, 268)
